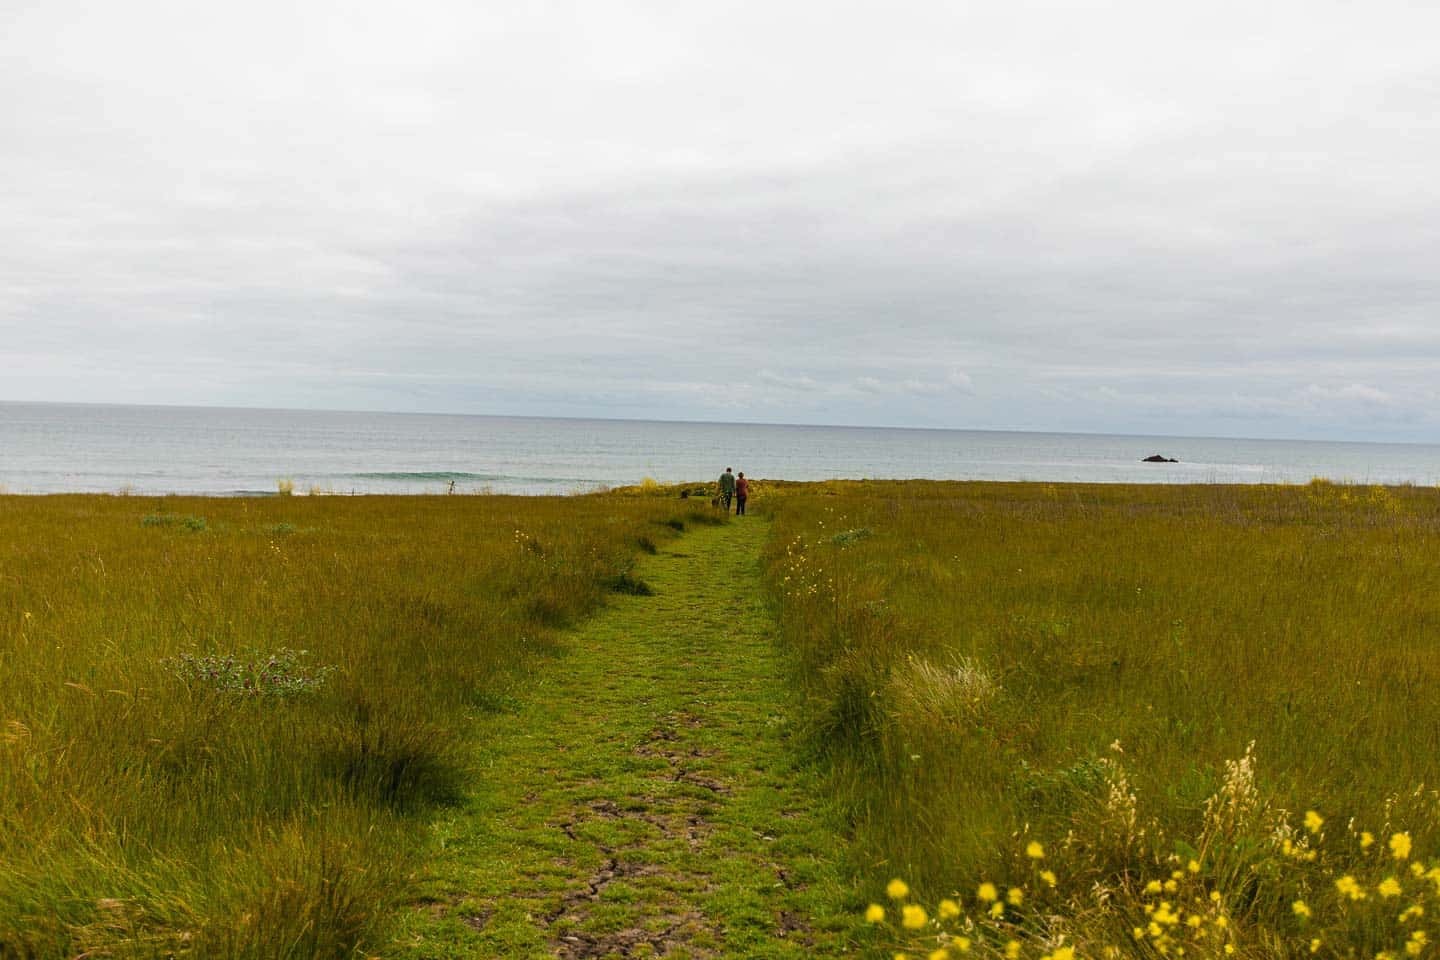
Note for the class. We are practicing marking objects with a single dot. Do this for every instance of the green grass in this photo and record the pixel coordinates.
(1000, 663)
(645, 798)
(226, 734)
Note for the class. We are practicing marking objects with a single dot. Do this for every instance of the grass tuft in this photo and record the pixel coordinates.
(193, 524)
(279, 674)
(625, 583)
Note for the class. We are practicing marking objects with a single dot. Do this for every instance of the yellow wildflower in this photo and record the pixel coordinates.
(1048, 876)
(900, 956)
(1034, 851)
(997, 910)
(1300, 908)
(1138, 933)
(962, 944)
(1177, 875)
(1366, 838)
(987, 892)
(1348, 887)
(1400, 845)
(874, 913)
(1229, 948)
(1063, 953)
(897, 889)
(1171, 886)
(1012, 949)
(1313, 821)
(949, 909)
(1014, 896)
(912, 916)
(1410, 913)
(1389, 887)
(1315, 945)
(1193, 866)
(940, 954)
(1222, 921)
(1214, 896)
(1417, 869)
(1194, 920)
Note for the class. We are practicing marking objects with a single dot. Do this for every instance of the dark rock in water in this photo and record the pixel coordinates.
(1157, 458)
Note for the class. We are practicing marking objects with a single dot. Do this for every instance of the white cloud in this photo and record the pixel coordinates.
(1352, 391)
(960, 380)
(788, 382)
(638, 209)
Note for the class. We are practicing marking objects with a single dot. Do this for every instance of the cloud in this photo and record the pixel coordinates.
(960, 380)
(804, 383)
(627, 210)
(1358, 392)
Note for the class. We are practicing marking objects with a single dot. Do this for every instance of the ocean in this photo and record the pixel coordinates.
(74, 448)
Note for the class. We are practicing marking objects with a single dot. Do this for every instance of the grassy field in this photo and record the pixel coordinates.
(1145, 681)
(1141, 721)
(223, 723)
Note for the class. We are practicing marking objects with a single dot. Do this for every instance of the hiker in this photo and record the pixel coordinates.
(742, 493)
(727, 488)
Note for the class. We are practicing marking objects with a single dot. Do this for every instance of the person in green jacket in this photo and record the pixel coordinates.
(727, 488)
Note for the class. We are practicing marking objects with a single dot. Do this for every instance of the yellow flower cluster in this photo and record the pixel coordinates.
(801, 577)
(995, 925)
(1183, 914)
(1172, 928)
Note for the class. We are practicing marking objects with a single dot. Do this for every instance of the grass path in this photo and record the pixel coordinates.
(642, 800)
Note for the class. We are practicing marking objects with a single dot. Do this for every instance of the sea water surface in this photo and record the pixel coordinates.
(59, 448)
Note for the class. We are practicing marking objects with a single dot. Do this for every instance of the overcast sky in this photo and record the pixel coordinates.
(1180, 218)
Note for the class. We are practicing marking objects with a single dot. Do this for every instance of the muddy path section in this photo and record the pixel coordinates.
(641, 797)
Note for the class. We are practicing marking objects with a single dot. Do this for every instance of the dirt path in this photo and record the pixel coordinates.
(642, 800)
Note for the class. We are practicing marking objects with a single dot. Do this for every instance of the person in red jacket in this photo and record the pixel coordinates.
(742, 493)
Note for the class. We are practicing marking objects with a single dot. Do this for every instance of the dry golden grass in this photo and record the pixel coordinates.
(987, 665)
(223, 722)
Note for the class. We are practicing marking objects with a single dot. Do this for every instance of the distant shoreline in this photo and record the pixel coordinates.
(673, 489)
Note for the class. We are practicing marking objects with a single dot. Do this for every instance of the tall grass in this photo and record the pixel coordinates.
(225, 736)
(990, 665)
